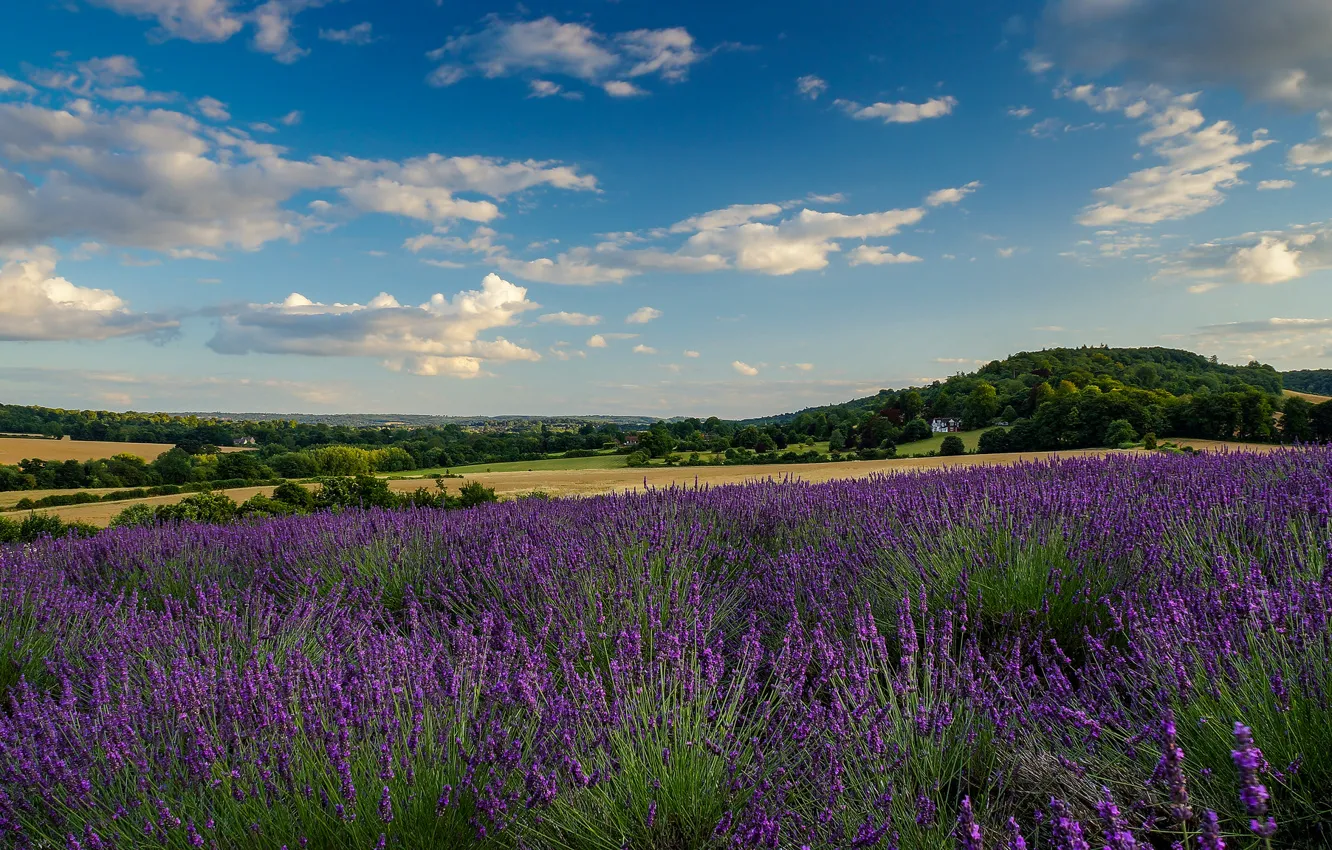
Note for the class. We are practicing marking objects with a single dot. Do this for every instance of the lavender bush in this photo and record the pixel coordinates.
(1129, 652)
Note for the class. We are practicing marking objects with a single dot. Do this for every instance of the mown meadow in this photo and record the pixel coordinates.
(1120, 652)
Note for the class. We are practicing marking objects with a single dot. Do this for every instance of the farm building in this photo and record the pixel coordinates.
(945, 425)
(244, 441)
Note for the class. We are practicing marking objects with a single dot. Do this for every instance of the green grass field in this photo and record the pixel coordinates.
(597, 462)
(970, 439)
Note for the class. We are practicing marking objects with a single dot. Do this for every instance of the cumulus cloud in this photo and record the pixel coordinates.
(1270, 257)
(1273, 185)
(37, 304)
(11, 86)
(744, 368)
(1020, 111)
(439, 337)
(1317, 151)
(549, 47)
(902, 112)
(951, 196)
(292, 118)
(731, 216)
(212, 108)
(642, 316)
(874, 255)
(811, 86)
(691, 353)
(1201, 159)
(160, 179)
(1274, 51)
(566, 318)
(596, 341)
(622, 88)
(734, 238)
(271, 22)
(644, 349)
(800, 243)
(360, 34)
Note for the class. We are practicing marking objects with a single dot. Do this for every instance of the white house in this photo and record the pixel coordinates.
(948, 425)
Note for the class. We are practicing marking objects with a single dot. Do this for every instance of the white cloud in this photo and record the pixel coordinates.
(36, 304)
(622, 88)
(644, 349)
(549, 47)
(744, 368)
(573, 268)
(9, 85)
(800, 243)
(565, 318)
(1258, 258)
(874, 255)
(902, 112)
(360, 34)
(1005, 253)
(731, 238)
(731, 216)
(1319, 150)
(219, 20)
(1201, 159)
(811, 86)
(596, 341)
(1273, 185)
(104, 77)
(803, 367)
(544, 88)
(642, 316)
(1275, 51)
(213, 109)
(440, 337)
(951, 196)
(161, 179)
(1020, 111)
(691, 353)
(1270, 261)
(292, 118)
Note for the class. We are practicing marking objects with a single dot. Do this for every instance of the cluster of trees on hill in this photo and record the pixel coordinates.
(1312, 381)
(1062, 398)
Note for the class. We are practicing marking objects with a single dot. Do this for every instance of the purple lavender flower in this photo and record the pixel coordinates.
(1249, 759)
(1209, 837)
(969, 832)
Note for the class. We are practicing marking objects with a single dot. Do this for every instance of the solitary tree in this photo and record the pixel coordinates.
(952, 445)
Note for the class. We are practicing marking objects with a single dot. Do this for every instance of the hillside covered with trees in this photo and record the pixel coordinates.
(1070, 398)
(1313, 381)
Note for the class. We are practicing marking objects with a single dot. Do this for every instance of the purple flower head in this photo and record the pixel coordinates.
(1209, 837)
(969, 832)
(1249, 759)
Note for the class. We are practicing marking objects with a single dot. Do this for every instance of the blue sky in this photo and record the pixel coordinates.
(663, 209)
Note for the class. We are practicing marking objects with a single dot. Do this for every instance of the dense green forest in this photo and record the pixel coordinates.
(1313, 381)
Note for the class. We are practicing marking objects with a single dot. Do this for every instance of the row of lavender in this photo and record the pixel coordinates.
(1115, 653)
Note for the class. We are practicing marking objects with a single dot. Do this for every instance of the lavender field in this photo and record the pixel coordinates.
(1129, 652)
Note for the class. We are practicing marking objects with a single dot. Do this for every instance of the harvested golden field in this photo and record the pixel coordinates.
(15, 449)
(589, 482)
(1309, 397)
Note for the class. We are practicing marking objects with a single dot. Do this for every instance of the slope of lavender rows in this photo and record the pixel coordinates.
(1045, 656)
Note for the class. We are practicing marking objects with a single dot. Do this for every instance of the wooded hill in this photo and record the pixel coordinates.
(1070, 398)
(1313, 381)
